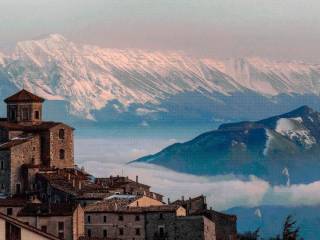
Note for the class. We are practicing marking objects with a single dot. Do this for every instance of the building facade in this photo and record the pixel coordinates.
(26, 141)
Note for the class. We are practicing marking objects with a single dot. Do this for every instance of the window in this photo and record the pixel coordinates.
(44, 228)
(89, 233)
(138, 231)
(2, 187)
(121, 231)
(89, 219)
(137, 218)
(61, 226)
(61, 133)
(61, 154)
(105, 234)
(9, 211)
(25, 114)
(104, 219)
(12, 114)
(160, 216)
(61, 235)
(18, 188)
(2, 165)
(120, 218)
(37, 115)
(161, 231)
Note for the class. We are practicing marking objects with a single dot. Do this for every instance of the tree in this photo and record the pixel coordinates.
(250, 235)
(290, 231)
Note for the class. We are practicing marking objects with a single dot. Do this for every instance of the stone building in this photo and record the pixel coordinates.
(13, 229)
(225, 225)
(28, 142)
(122, 219)
(124, 185)
(62, 220)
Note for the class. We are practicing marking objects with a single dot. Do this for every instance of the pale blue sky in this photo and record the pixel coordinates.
(221, 28)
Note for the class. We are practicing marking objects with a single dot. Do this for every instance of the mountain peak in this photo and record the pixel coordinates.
(303, 110)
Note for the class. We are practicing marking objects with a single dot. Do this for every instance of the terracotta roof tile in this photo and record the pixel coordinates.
(24, 96)
(39, 209)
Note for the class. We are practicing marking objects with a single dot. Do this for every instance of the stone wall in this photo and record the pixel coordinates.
(66, 144)
(52, 224)
(5, 172)
(25, 153)
(195, 228)
(113, 224)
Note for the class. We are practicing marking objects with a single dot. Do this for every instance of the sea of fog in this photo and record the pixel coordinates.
(106, 150)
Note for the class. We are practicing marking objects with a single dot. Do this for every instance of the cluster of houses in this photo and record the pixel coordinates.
(44, 195)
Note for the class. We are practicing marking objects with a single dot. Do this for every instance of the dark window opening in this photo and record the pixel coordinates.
(25, 114)
(44, 228)
(2, 165)
(61, 154)
(138, 231)
(61, 235)
(18, 188)
(61, 133)
(61, 226)
(105, 233)
(12, 232)
(161, 216)
(137, 218)
(121, 231)
(89, 219)
(89, 233)
(104, 219)
(120, 218)
(9, 211)
(161, 231)
(37, 115)
(12, 114)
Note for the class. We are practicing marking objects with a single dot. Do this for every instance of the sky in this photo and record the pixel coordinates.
(281, 29)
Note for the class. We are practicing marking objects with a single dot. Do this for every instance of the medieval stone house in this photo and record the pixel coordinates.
(27, 143)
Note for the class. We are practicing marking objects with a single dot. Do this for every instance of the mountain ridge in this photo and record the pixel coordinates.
(262, 148)
(150, 84)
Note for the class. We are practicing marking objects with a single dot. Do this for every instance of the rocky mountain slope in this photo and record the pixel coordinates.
(112, 84)
(273, 149)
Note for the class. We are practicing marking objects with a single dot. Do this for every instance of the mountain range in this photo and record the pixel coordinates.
(92, 83)
(272, 149)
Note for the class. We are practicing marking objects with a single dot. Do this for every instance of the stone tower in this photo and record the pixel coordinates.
(24, 108)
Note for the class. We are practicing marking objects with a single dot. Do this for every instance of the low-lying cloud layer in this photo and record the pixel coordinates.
(106, 157)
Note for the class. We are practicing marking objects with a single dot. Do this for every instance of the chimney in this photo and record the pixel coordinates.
(182, 198)
(137, 179)
(69, 177)
(73, 182)
(79, 185)
(169, 201)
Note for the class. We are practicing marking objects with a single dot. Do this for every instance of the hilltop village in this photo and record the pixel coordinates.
(44, 195)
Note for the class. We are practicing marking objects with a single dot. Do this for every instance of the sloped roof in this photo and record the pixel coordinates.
(14, 142)
(20, 224)
(39, 209)
(13, 202)
(24, 96)
(122, 206)
(43, 126)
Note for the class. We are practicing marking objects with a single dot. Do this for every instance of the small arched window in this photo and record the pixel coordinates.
(37, 115)
(61, 133)
(61, 154)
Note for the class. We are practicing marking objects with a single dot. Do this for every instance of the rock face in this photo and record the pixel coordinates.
(273, 149)
(112, 84)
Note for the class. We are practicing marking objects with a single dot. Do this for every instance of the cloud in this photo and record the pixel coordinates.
(106, 157)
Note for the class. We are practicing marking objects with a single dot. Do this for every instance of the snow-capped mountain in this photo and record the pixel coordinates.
(279, 149)
(95, 81)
